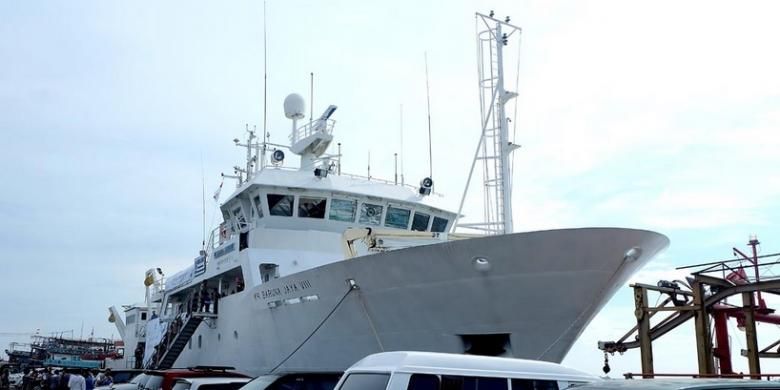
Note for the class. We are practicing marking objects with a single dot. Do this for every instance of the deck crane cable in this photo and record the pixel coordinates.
(352, 287)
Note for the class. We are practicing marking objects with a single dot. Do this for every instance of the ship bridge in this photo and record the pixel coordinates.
(298, 200)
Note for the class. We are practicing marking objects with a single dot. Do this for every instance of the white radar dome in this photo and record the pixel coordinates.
(294, 106)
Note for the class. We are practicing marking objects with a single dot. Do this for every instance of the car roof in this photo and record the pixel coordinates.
(195, 372)
(679, 384)
(213, 380)
(457, 364)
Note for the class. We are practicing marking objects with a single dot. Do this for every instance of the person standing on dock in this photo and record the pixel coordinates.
(5, 380)
(54, 380)
(76, 381)
(89, 380)
(64, 380)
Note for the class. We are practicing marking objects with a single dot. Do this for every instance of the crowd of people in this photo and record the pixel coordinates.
(59, 379)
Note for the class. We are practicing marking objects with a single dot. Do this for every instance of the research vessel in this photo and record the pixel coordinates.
(312, 268)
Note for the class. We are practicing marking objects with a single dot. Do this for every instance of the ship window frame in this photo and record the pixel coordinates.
(366, 221)
(282, 195)
(427, 221)
(257, 206)
(301, 201)
(401, 208)
(239, 218)
(338, 199)
(444, 228)
(268, 272)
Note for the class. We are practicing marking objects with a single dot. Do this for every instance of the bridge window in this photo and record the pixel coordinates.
(370, 214)
(281, 205)
(343, 210)
(239, 216)
(439, 225)
(258, 207)
(397, 217)
(311, 207)
(420, 221)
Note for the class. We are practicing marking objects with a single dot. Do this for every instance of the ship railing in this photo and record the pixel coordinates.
(335, 158)
(739, 270)
(313, 127)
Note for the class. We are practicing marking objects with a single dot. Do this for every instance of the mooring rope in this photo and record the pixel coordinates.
(351, 288)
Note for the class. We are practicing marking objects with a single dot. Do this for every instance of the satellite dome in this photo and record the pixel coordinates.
(294, 106)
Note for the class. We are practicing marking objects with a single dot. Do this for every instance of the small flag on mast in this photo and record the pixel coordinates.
(216, 194)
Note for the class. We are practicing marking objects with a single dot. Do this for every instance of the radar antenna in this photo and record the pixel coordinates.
(494, 148)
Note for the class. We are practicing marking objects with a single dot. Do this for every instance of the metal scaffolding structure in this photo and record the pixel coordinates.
(702, 298)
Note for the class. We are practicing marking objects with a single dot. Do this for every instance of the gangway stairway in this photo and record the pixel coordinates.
(180, 341)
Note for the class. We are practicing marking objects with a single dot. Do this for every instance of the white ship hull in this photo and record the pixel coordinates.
(540, 292)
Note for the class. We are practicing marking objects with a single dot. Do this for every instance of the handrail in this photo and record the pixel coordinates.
(318, 126)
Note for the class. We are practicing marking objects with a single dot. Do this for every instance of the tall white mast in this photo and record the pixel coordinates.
(494, 148)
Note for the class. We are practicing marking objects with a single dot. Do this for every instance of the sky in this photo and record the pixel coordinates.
(656, 115)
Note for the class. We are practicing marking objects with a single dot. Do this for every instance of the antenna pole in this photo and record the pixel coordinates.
(203, 200)
(257, 150)
(339, 159)
(504, 148)
(311, 99)
(428, 96)
(395, 157)
(369, 165)
(402, 144)
(250, 137)
(265, 77)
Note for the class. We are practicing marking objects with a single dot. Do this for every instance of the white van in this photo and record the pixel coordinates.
(443, 371)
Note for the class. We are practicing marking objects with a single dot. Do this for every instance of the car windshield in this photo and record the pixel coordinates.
(181, 385)
(260, 383)
(138, 378)
(154, 382)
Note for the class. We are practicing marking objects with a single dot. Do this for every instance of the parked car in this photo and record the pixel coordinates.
(164, 379)
(434, 371)
(678, 384)
(295, 381)
(209, 383)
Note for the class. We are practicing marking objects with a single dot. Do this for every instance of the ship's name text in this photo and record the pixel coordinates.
(287, 289)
